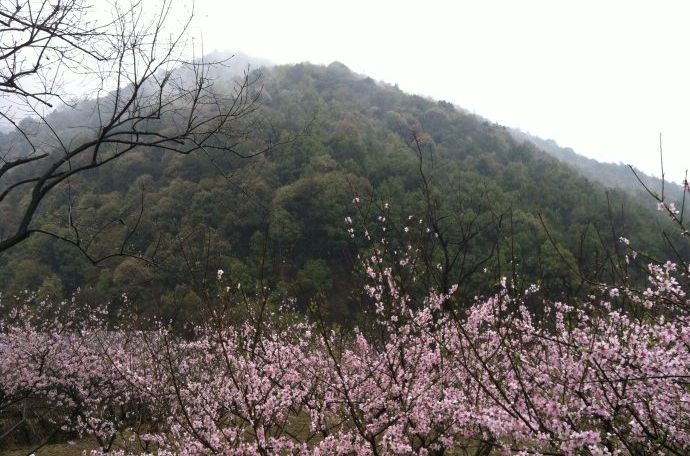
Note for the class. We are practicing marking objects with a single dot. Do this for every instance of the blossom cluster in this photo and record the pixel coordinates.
(588, 378)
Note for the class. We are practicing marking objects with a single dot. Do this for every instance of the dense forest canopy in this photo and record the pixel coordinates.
(500, 205)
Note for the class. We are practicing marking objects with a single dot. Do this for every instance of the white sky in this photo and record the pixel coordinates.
(602, 77)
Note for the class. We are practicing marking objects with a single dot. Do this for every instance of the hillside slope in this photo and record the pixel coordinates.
(610, 175)
(276, 220)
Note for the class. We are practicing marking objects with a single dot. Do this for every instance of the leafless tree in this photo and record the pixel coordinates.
(144, 92)
(447, 252)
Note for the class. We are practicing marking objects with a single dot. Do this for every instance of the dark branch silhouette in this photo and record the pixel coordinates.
(145, 95)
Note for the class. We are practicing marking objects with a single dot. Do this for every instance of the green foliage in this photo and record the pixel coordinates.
(277, 220)
(313, 279)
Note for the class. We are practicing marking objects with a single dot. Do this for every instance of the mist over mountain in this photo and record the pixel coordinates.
(500, 203)
(610, 175)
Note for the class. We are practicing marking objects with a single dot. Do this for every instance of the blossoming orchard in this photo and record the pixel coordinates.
(601, 377)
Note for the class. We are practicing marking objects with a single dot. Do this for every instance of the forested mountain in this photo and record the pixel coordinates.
(610, 175)
(486, 204)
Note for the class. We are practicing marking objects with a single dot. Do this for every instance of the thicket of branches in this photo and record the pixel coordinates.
(141, 88)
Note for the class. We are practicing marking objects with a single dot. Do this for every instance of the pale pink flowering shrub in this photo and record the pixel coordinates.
(602, 377)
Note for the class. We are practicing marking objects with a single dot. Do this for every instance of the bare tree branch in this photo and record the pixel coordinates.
(149, 97)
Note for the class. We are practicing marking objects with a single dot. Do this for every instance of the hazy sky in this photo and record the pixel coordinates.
(603, 77)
